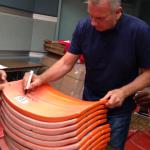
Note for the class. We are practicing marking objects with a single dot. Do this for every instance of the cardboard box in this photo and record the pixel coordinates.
(72, 83)
(72, 87)
(77, 72)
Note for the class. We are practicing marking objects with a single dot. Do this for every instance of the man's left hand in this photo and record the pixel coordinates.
(115, 98)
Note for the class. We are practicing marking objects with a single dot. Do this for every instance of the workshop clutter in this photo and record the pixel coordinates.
(143, 110)
(59, 47)
(55, 47)
(46, 119)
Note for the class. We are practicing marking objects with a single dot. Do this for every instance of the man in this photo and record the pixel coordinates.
(114, 46)
(3, 80)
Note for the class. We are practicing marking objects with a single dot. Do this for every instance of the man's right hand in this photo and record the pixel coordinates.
(35, 81)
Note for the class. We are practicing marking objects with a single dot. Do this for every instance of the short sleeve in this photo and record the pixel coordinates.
(76, 41)
(143, 47)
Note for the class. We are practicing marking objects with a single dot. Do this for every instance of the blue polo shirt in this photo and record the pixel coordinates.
(112, 57)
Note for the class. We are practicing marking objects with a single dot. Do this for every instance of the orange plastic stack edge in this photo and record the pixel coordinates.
(49, 101)
(47, 119)
(3, 145)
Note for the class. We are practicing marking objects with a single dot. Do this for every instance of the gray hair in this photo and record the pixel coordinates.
(113, 3)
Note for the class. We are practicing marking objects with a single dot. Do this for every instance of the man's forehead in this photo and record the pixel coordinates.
(97, 2)
(101, 6)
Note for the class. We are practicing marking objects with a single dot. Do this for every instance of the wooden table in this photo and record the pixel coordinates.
(16, 68)
(19, 65)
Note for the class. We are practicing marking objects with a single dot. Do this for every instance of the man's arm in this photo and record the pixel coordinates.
(117, 96)
(58, 70)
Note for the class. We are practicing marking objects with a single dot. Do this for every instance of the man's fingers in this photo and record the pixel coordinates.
(107, 96)
(33, 85)
(110, 98)
(3, 76)
(35, 82)
(25, 80)
(111, 103)
(114, 102)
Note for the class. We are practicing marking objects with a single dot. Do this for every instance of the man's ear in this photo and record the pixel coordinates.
(119, 12)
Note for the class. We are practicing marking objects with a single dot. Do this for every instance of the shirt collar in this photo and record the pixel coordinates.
(117, 27)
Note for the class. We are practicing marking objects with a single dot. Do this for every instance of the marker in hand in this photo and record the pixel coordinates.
(29, 81)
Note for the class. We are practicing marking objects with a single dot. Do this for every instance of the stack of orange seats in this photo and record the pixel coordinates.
(45, 119)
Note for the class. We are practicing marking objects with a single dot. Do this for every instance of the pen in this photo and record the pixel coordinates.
(29, 81)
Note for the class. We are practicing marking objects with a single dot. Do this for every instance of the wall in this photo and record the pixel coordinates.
(27, 5)
(71, 13)
(18, 32)
(25, 33)
(46, 7)
(15, 32)
(42, 30)
(44, 27)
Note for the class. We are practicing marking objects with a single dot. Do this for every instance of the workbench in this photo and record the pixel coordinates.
(16, 68)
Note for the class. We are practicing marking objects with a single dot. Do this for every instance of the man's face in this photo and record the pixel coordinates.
(102, 16)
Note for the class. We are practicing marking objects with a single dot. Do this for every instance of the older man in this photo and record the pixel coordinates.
(115, 46)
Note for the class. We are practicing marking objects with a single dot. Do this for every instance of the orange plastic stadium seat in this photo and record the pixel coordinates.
(54, 106)
(51, 124)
